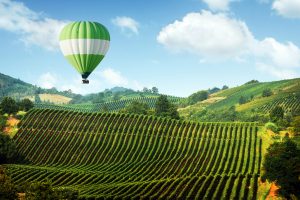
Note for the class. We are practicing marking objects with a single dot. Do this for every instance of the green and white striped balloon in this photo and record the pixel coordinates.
(84, 44)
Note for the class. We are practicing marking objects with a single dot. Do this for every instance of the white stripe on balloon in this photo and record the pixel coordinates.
(84, 46)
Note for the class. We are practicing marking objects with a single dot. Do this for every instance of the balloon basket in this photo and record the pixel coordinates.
(85, 81)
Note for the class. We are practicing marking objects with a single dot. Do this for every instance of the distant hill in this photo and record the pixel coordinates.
(285, 93)
(18, 89)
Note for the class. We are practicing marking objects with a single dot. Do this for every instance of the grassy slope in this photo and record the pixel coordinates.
(230, 97)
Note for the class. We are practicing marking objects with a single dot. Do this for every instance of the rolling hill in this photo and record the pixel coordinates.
(285, 93)
(125, 156)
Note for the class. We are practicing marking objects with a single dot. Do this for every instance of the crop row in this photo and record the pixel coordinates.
(289, 104)
(233, 186)
(120, 152)
(111, 106)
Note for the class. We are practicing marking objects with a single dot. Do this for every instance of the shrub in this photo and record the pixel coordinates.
(267, 92)
(271, 126)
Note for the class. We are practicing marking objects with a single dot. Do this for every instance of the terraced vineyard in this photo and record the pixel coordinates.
(289, 104)
(122, 156)
(111, 106)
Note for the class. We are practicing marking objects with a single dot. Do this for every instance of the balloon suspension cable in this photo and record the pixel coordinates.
(85, 81)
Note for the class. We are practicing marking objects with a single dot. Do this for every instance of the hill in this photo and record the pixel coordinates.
(285, 93)
(18, 89)
(123, 156)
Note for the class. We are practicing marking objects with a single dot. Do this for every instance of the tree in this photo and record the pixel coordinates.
(277, 114)
(8, 150)
(37, 99)
(296, 124)
(8, 105)
(243, 100)
(213, 90)
(197, 96)
(7, 188)
(25, 105)
(3, 120)
(164, 108)
(267, 92)
(154, 90)
(225, 87)
(282, 164)
(137, 108)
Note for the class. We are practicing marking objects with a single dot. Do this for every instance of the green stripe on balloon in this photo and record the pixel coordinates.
(84, 62)
(84, 30)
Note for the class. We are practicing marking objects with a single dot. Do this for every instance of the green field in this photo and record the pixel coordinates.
(110, 106)
(123, 156)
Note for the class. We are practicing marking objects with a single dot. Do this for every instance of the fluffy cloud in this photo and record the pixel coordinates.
(33, 28)
(126, 23)
(48, 80)
(99, 80)
(287, 8)
(218, 4)
(114, 77)
(213, 36)
(207, 34)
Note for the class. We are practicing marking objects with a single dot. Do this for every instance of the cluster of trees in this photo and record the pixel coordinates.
(10, 106)
(153, 90)
(282, 166)
(163, 108)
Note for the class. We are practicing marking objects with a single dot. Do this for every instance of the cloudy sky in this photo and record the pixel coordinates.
(179, 46)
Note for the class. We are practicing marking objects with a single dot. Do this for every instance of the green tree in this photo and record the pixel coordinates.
(8, 190)
(296, 124)
(282, 164)
(8, 150)
(277, 114)
(154, 90)
(197, 96)
(8, 105)
(267, 92)
(225, 87)
(164, 108)
(25, 105)
(3, 120)
(242, 100)
(137, 108)
(37, 99)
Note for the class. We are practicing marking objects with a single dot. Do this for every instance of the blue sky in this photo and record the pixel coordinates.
(179, 46)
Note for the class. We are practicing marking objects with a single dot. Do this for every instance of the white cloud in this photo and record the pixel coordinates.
(215, 5)
(33, 28)
(287, 8)
(276, 71)
(114, 77)
(48, 80)
(284, 55)
(126, 23)
(213, 36)
(207, 34)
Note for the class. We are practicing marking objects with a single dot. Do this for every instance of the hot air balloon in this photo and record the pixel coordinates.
(84, 44)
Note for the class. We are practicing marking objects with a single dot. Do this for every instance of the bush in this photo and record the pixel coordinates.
(3, 120)
(276, 114)
(271, 126)
(7, 188)
(282, 164)
(8, 105)
(267, 92)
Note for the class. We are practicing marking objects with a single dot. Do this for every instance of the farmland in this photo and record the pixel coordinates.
(111, 155)
(110, 106)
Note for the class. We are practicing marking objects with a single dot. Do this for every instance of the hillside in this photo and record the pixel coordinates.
(285, 93)
(123, 156)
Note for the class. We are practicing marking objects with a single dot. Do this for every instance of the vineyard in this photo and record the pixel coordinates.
(126, 156)
(289, 104)
(111, 106)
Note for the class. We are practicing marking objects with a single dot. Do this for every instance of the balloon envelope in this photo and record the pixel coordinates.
(84, 44)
